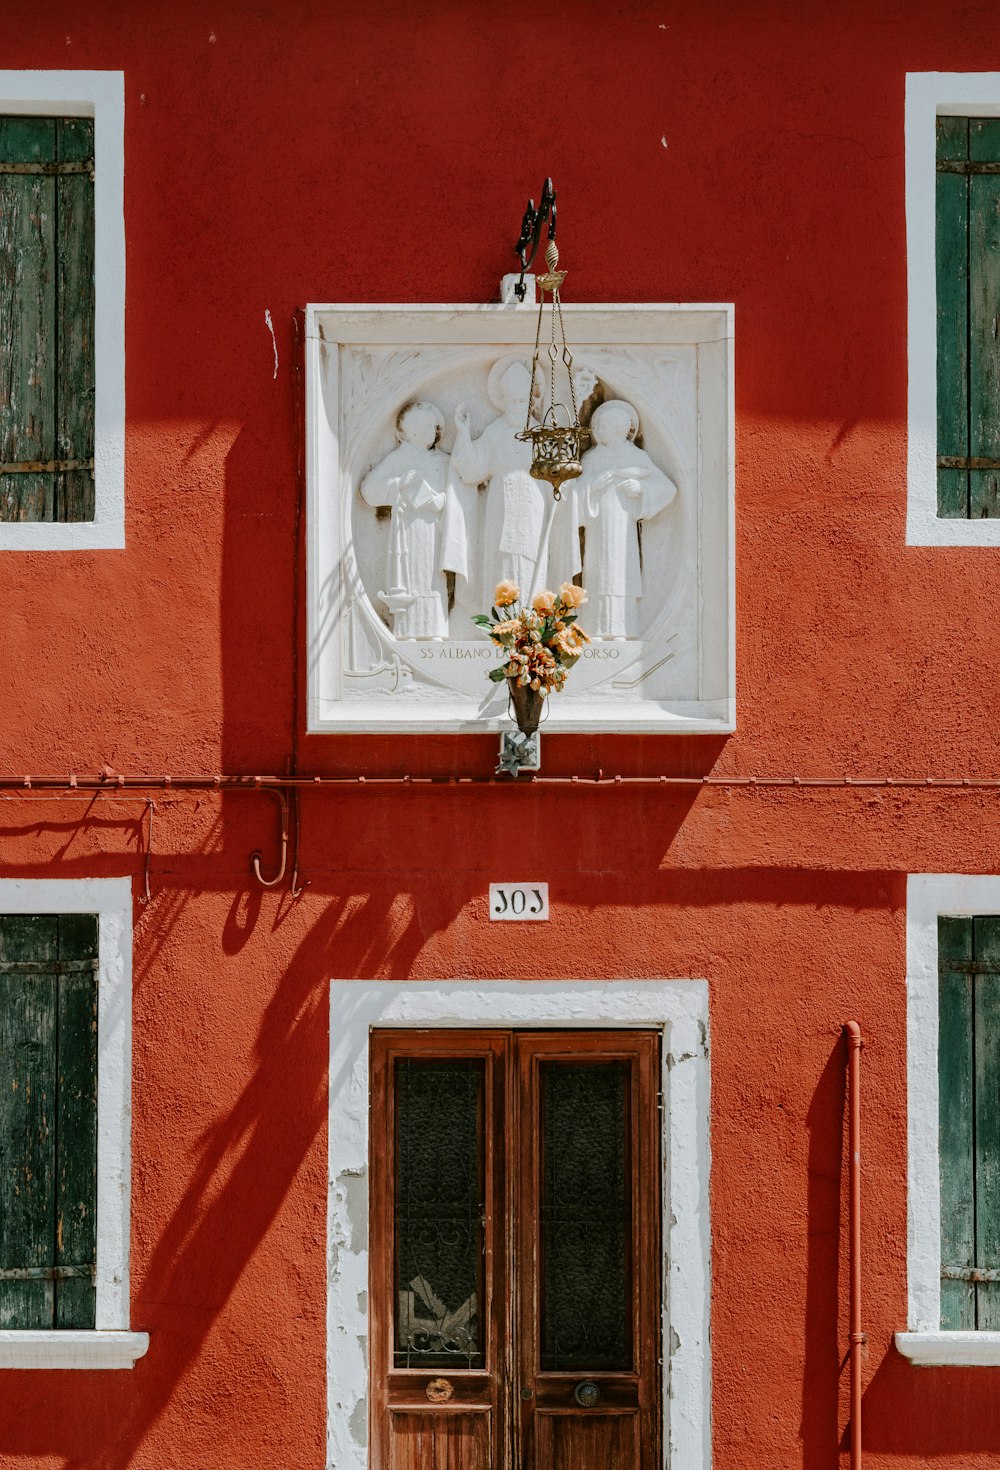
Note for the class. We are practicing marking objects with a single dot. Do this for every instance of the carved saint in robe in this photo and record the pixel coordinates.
(411, 482)
(497, 535)
(620, 486)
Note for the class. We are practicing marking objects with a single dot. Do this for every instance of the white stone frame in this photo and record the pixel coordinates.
(328, 327)
(111, 1344)
(928, 896)
(676, 1008)
(100, 95)
(930, 95)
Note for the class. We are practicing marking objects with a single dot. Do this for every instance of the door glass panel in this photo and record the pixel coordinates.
(440, 1212)
(585, 1225)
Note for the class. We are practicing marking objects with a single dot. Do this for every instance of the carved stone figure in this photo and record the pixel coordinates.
(498, 536)
(411, 481)
(620, 486)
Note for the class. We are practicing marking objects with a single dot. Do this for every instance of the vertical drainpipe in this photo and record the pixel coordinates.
(853, 1033)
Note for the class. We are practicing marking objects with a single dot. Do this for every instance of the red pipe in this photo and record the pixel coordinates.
(857, 1337)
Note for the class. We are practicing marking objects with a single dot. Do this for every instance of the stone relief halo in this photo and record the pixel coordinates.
(633, 413)
(499, 371)
(420, 403)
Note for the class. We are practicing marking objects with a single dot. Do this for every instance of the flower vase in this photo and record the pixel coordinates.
(528, 704)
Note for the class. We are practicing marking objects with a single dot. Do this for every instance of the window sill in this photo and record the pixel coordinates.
(58, 1349)
(934, 530)
(950, 1349)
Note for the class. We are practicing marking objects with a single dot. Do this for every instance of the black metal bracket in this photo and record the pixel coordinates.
(531, 232)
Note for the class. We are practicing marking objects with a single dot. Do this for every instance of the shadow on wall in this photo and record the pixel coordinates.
(918, 1412)
(822, 1365)
(931, 1411)
(246, 1166)
(363, 923)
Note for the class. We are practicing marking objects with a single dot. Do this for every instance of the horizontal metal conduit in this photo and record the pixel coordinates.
(286, 790)
(113, 783)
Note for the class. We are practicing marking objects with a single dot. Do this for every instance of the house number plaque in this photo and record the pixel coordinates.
(519, 901)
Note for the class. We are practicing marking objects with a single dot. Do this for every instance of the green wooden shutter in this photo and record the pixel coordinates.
(968, 316)
(48, 1120)
(46, 319)
(969, 1090)
(955, 1108)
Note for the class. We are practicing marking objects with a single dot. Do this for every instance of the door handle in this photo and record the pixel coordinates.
(587, 1394)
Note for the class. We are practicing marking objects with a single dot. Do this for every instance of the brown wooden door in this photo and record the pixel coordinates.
(515, 1251)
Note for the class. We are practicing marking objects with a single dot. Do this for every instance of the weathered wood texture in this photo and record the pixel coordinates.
(511, 1410)
(956, 1105)
(986, 1027)
(408, 1430)
(969, 1078)
(48, 1120)
(76, 1121)
(622, 1431)
(588, 1441)
(984, 317)
(47, 318)
(968, 316)
(446, 1441)
(952, 246)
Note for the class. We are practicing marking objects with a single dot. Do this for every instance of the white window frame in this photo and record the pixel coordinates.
(678, 1009)
(100, 95)
(928, 897)
(930, 95)
(110, 1344)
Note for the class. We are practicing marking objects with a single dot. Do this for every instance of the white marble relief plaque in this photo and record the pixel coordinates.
(421, 500)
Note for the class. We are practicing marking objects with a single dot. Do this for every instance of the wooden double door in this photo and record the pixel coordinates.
(515, 1278)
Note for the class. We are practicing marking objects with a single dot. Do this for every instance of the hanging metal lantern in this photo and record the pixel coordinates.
(556, 438)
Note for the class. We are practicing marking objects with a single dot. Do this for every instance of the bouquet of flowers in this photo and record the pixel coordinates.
(540, 643)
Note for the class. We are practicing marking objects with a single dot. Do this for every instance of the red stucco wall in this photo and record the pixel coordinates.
(294, 151)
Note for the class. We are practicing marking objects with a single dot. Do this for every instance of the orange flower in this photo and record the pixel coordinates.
(544, 602)
(506, 593)
(572, 596)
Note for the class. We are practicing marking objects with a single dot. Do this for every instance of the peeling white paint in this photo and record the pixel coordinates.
(679, 1010)
(663, 139)
(270, 328)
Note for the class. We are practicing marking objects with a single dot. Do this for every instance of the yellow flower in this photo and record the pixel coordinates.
(571, 595)
(544, 602)
(506, 593)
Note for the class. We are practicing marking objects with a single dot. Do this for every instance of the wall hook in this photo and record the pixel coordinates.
(273, 882)
(295, 888)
